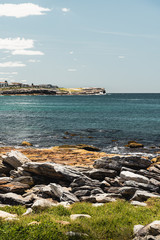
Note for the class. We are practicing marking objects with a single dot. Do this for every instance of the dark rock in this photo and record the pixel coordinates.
(100, 174)
(142, 196)
(14, 187)
(55, 171)
(81, 193)
(25, 180)
(85, 182)
(116, 163)
(143, 186)
(134, 144)
(127, 192)
(97, 191)
(5, 168)
(13, 199)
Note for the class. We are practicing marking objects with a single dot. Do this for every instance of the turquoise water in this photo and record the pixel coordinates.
(98, 120)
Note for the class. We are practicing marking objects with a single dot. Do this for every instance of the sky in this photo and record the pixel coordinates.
(113, 44)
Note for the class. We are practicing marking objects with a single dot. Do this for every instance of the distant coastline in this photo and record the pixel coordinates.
(49, 90)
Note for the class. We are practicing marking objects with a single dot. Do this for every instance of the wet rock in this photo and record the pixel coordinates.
(134, 144)
(15, 159)
(142, 196)
(25, 143)
(55, 171)
(126, 175)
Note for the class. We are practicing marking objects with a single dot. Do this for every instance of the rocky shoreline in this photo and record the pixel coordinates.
(50, 91)
(101, 178)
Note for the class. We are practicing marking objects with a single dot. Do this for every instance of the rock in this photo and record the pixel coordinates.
(15, 159)
(13, 199)
(154, 169)
(14, 187)
(8, 216)
(25, 180)
(126, 175)
(136, 228)
(96, 191)
(4, 167)
(152, 229)
(148, 174)
(97, 204)
(55, 171)
(34, 223)
(91, 199)
(25, 143)
(82, 146)
(42, 203)
(148, 187)
(127, 192)
(155, 182)
(103, 198)
(29, 211)
(136, 203)
(100, 174)
(134, 144)
(74, 217)
(81, 193)
(4, 180)
(116, 163)
(76, 234)
(85, 182)
(142, 196)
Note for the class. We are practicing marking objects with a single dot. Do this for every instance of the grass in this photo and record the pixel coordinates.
(112, 221)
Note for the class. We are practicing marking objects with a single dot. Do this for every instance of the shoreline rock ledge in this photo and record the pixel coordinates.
(29, 183)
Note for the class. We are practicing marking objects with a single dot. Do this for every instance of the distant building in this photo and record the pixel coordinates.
(4, 84)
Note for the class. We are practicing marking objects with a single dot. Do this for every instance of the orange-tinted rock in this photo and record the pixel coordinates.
(134, 144)
(25, 143)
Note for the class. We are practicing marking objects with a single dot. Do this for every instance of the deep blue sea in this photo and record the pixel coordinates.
(107, 121)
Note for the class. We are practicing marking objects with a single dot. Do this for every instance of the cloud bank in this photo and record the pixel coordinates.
(21, 10)
(12, 64)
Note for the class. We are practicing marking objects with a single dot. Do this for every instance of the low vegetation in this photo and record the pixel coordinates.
(111, 221)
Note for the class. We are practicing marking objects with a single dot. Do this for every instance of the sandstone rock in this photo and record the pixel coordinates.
(8, 216)
(142, 196)
(53, 170)
(134, 144)
(15, 159)
(25, 143)
(12, 199)
(74, 217)
(126, 175)
(136, 203)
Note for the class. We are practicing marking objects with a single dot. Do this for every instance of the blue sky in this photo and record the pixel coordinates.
(107, 43)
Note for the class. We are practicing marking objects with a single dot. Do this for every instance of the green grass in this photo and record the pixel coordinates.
(111, 221)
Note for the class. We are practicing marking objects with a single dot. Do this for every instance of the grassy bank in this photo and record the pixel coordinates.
(110, 221)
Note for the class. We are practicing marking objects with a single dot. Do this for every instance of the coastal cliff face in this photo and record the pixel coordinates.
(49, 91)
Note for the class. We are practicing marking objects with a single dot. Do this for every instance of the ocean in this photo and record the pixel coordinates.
(106, 121)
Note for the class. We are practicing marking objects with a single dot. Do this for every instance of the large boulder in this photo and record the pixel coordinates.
(100, 174)
(8, 216)
(15, 159)
(116, 163)
(126, 175)
(12, 199)
(14, 187)
(142, 196)
(52, 170)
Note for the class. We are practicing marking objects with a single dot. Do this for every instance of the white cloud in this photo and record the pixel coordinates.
(71, 52)
(12, 64)
(33, 60)
(121, 57)
(65, 10)
(16, 43)
(72, 70)
(8, 73)
(4, 79)
(21, 10)
(27, 52)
